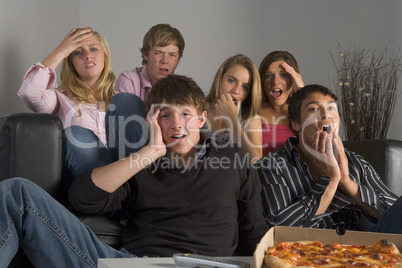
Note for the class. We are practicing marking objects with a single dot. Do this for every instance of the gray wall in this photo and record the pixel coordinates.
(213, 30)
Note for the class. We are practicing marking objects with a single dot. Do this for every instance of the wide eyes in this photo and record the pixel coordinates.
(315, 109)
(231, 80)
(283, 75)
(245, 87)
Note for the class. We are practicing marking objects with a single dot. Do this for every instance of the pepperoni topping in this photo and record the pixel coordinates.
(298, 251)
(315, 254)
(282, 246)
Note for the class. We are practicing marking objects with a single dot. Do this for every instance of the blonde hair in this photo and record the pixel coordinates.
(81, 92)
(251, 105)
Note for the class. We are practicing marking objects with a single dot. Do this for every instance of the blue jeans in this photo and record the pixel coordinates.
(83, 151)
(391, 221)
(126, 127)
(126, 132)
(48, 233)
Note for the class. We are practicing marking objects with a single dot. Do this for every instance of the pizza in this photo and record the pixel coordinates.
(317, 254)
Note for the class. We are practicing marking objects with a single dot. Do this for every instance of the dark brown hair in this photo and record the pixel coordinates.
(177, 89)
(269, 59)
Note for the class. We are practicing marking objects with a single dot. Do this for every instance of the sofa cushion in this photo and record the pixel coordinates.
(385, 156)
(30, 151)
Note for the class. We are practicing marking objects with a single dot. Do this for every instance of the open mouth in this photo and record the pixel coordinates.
(178, 137)
(164, 70)
(234, 99)
(277, 93)
(326, 128)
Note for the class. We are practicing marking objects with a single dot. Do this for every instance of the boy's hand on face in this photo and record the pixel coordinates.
(324, 163)
(155, 132)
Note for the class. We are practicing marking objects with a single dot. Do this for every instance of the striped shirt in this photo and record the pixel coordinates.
(39, 92)
(291, 195)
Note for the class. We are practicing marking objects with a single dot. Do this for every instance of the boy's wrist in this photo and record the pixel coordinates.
(156, 150)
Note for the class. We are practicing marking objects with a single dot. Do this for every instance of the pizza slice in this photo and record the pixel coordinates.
(316, 254)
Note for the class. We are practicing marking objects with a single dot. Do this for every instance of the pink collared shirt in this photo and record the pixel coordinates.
(39, 92)
(134, 81)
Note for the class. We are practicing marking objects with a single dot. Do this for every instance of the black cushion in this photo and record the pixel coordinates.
(31, 147)
(385, 156)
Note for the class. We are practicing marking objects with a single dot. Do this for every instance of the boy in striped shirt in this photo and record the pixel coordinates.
(315, 182)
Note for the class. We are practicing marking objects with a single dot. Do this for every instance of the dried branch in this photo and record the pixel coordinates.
(366, 83)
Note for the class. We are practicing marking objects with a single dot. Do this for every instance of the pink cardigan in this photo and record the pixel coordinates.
(38, 91)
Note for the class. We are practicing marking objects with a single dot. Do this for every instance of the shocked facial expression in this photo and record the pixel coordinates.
(162, 61)
(317, 113)
(180, 126)
(237, 82)
(277, 84)
(89, 60)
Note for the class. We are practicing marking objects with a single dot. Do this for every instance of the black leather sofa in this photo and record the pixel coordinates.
(31, 147)
(386, 158)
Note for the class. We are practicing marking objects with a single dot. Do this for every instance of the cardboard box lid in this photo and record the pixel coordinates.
(284, 233)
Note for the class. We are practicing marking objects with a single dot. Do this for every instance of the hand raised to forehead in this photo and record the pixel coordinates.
(297, 81)
(74, 39)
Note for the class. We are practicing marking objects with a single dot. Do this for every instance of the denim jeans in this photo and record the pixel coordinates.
(48, 233)
(126, 132)
(391, 221)
(126, 128)
(83, 151)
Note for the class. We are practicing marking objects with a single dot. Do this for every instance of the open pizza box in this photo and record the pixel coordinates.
(283, 233)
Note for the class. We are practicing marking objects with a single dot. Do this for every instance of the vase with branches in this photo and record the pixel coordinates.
(366, 83)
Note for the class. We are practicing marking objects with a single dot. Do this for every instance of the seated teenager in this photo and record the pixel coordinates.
(184, 194)
(233, 103)
(162, 49)
(280, 77)
(315, 182)
(81, 100)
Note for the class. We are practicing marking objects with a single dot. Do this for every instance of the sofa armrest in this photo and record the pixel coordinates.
(385, 156)
(31, 147)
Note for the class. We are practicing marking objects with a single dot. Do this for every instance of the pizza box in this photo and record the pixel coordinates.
(284, 233)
